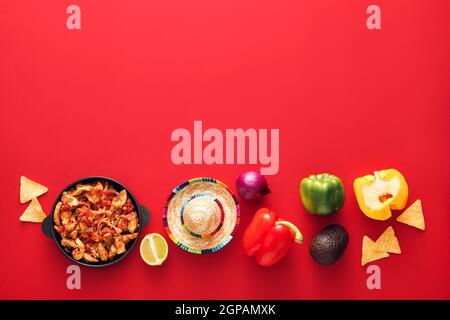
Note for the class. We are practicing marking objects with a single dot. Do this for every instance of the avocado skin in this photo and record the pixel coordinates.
(329, 244)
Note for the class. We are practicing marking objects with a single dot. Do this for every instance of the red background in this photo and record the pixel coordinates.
(104, 100)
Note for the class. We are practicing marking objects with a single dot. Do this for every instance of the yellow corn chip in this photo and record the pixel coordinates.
(387, 242)
(30, 189)
(33, 213)
(368, 254)
(413, 216)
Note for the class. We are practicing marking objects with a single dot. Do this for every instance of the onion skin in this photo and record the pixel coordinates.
(252, 186)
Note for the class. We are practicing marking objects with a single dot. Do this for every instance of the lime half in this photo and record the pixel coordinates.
(154, 249)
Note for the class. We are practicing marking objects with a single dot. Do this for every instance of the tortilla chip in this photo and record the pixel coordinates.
(368, 254)
(413, 216)
(387, 242)
(33, 213)
(30, 189)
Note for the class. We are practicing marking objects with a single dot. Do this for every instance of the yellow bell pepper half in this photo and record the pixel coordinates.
(377, 194)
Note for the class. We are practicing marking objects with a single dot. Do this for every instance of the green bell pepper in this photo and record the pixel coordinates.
(322, 194)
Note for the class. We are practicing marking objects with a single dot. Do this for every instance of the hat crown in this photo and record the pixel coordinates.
(202, 215)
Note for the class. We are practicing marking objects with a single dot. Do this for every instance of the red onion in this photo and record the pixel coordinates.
(252, 186)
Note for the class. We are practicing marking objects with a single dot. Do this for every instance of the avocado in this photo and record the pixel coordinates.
(329, 244)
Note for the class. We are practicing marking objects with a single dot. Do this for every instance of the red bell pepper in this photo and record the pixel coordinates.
(269, 238)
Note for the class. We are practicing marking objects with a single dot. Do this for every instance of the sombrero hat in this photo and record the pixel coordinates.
(201, 215)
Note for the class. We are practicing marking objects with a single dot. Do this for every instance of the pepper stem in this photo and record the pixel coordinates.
(376, 174)
(293, 227)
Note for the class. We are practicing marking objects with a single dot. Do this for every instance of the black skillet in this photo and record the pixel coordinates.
(143, 214)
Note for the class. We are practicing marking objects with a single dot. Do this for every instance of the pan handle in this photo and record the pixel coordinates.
(145, 215)
(47, 226)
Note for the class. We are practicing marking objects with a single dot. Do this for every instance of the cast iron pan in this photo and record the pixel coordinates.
(143, 214)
